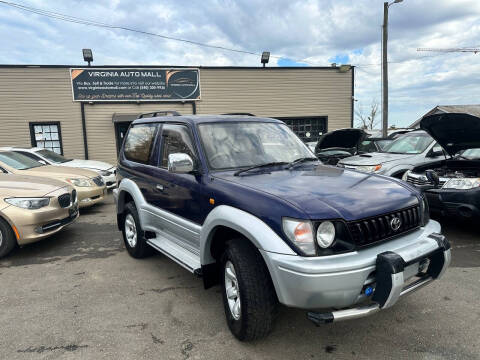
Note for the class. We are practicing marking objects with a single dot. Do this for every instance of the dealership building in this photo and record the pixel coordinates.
(84, 112)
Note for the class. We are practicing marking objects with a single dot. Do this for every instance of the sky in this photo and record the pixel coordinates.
(297, 33)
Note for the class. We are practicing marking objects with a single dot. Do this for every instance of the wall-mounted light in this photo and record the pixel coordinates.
(265, 58)
(87, 55)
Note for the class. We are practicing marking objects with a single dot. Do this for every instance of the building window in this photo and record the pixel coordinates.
(307, 128)
(47, 136)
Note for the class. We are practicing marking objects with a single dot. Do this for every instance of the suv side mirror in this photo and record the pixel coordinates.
(180, 163)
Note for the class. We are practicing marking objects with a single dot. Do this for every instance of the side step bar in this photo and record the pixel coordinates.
(177, 253)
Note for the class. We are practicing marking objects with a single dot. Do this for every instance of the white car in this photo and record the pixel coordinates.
(48, 157)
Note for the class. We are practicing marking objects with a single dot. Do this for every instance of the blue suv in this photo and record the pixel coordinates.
(242, 202)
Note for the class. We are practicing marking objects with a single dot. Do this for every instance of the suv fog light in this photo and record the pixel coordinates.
(325, 234)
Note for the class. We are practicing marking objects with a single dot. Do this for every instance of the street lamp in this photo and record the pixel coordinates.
(386, 5)
(87, 55)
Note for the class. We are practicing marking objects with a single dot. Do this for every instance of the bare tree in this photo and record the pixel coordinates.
(367, 121)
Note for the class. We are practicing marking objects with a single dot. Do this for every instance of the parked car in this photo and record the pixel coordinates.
(32, 208)
(88, 184)
(373, 144)
(338, 144)
(48, 157)
(241, 201)
(452, 186)
(402, 154)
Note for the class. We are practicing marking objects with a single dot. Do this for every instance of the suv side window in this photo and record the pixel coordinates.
(176, 139)
(139, 143)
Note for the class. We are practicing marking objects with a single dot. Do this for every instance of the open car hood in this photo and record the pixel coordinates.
(343, 138)
(454, 131)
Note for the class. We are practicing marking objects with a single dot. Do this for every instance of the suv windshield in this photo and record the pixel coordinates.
(18, 161)
(230, 145)
(52, 156)
(412, 143)
(471, 154)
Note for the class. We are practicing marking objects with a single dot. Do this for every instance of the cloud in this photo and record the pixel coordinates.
(312, 32)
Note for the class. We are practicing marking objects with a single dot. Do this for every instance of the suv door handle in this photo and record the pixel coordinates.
(159, 187)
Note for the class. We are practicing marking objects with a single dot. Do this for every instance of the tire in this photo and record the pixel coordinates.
(133, 237)
(257, 301)
(7, 238)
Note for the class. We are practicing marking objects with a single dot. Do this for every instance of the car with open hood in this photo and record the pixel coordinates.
(88, 184)
(400, 155)
(242, 201)
(49, 157)
(33, 208)
(452, 185)
(338, 144)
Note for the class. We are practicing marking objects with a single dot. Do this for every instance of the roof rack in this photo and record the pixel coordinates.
(239, 113)
(159, 113)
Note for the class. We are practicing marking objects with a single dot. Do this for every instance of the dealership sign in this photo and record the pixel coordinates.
(135, 84)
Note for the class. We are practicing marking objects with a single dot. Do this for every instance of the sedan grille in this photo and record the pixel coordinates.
(98, 181)
(371, 230)
(64, 200)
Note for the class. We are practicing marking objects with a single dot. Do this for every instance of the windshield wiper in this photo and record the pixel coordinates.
(301, 160)
(260, 166)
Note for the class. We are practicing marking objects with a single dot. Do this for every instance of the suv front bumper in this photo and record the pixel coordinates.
(339, 281)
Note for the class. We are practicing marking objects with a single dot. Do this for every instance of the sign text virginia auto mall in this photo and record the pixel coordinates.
(135, 84)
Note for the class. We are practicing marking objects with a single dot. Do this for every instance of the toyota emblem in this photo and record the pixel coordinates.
(395, 223)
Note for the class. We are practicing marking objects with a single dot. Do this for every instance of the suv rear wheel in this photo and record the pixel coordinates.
(7, 238)
(133, 237)
(249, 298)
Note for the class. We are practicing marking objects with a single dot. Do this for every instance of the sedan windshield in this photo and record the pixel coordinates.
(18, 161)
(412, 143)
(52, 156)
(231, 145)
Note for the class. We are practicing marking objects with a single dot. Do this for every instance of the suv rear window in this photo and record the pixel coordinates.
(139, 141)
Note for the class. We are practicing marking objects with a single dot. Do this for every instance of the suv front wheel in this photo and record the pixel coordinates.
(133, 237)
(249, 298)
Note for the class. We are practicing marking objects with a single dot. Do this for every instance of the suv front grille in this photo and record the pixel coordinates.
(421, 180)
(64, 200)
(371, 230)
(98, 181)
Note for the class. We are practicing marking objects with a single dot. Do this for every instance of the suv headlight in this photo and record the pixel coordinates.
(28, 203)
(425, 211)
(301, 234)
(80, 182)
(462, 183)
(325, 234)
(368, 168)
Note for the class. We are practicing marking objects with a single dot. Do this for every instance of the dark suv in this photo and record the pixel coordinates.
(241, 201)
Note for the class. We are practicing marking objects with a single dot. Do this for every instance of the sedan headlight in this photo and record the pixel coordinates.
(462, 183)
(28, 203)
(325, 234)
(301, 234)
(80, 182)
(368, 168)
(105, 172)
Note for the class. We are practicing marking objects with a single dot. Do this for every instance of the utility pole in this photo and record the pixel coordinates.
(386, 5)
(385, 71)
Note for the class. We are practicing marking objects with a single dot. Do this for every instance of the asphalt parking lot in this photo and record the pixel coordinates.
(78, 295)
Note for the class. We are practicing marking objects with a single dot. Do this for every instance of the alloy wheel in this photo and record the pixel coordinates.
(130, 230)
(232, 290)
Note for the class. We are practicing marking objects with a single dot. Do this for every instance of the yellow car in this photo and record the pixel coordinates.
(32, 208)
(89, 185)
